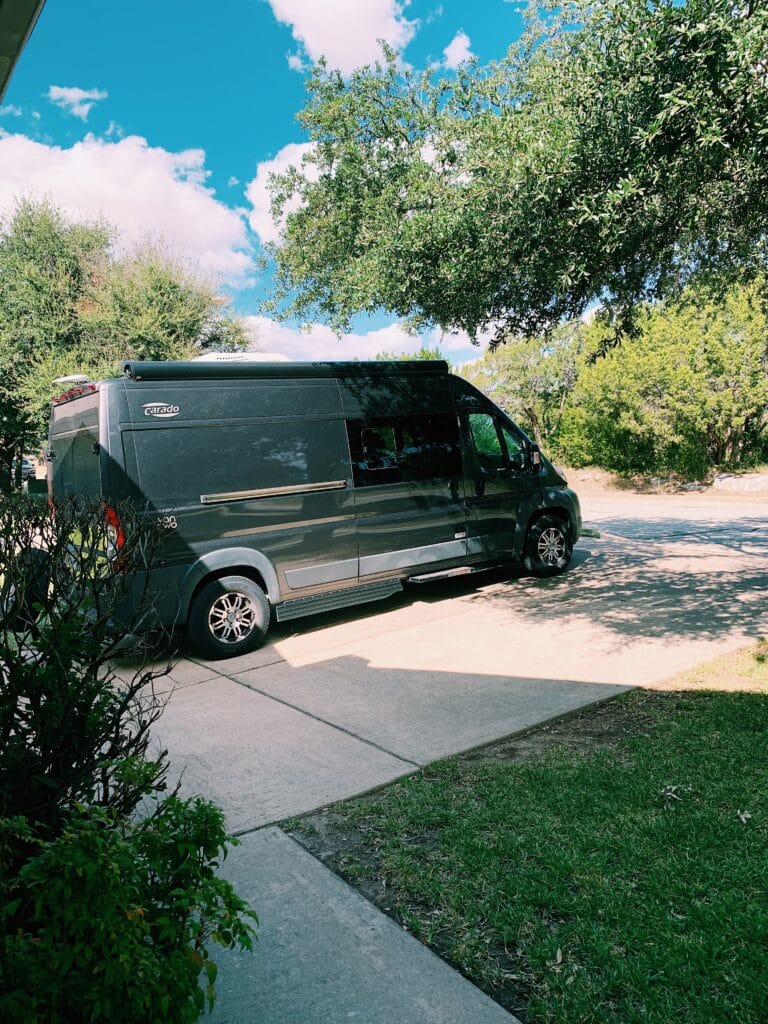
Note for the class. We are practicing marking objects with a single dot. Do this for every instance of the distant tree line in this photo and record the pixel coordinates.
(688, 391)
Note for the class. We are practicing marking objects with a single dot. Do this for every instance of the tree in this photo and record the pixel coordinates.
(617, 152)
(424, 353)
(68, 305)
(532, 378)
(688, 392)
(45, 265)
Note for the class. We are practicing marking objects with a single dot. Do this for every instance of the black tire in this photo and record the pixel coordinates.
(21, 602)
(548, 546)
(228, 616)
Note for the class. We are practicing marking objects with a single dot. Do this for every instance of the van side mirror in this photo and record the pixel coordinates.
(533, 459)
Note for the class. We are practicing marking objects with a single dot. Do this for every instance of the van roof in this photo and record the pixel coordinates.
(138, 370)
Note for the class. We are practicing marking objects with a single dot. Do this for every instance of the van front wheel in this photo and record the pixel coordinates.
(548, 546)
(229, 616)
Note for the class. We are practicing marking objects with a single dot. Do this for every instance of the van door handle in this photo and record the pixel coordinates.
(479, 486)
(453, 490)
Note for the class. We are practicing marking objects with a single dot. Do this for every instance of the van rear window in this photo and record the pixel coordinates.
(76, 464)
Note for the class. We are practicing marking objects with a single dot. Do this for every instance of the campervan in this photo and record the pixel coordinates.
(288, 489)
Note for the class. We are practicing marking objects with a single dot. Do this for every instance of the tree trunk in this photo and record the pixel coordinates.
(533, 419)
(6, 458)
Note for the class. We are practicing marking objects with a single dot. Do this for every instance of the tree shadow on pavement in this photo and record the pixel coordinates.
(666, 590)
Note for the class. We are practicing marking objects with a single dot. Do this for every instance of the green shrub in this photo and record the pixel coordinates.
(110, 921)
(688, 393)
(109, 897)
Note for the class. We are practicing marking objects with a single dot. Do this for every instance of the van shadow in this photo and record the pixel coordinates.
(269, 743)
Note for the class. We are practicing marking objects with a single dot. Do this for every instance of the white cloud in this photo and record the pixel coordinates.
(345, 32)
(457, 51)
(78, 102)
(10, 111)
(260, 217)
(295, 63)
(319, 342)
(143, 190)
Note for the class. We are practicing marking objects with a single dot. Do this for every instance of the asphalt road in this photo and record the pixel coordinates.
(337, 705)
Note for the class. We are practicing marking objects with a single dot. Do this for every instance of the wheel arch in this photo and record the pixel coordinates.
(556, 502)
(228, 562)
(558, 511)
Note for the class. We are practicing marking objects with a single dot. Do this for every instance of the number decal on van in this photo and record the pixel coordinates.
(160, 410)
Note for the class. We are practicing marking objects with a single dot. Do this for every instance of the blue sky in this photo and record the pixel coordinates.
(166, 116)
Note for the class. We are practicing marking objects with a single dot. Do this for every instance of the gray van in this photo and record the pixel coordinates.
(296, 488)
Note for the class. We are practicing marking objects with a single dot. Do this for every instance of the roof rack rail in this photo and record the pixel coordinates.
(148, 370)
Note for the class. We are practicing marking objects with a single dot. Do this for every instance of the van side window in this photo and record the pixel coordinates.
(515, 449)
(488, 446)
(497, 447)
(379, 447)
(405, 448)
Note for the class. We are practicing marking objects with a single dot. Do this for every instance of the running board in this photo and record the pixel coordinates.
(317, 603)
(460, 570)
(445, 574)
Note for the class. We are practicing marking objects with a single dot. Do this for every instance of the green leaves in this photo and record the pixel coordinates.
(109, 897)
(106, 933)
(67, 305)
(614, 153)
(688, 391)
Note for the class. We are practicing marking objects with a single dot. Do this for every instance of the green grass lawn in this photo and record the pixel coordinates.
(618, 882)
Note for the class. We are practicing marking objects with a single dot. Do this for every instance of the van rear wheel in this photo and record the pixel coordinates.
(229, 616)
(548, 546)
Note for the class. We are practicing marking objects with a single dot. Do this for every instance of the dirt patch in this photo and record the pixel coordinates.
(591, 480)
(745, 670)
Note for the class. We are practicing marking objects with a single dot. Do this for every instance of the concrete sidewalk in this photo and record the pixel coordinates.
(326, 955)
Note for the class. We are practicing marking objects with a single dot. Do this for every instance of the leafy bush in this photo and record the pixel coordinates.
(109, 921)
(108, 889)
(689, 392)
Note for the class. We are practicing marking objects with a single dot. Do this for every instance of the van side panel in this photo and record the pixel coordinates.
(243, 466)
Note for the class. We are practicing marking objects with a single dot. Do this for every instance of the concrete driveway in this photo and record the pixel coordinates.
(336, 705)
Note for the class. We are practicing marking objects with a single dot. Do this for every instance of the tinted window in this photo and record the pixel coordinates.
(515, 449)
(408, 448)
(487, 442)
(181, 464)
(76, 464)
(497, 446)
